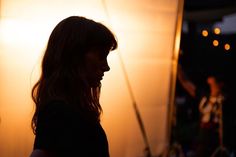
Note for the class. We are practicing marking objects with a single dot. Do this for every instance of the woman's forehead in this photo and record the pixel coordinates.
(101, 50)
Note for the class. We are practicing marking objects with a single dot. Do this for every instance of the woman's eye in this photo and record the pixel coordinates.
(103, 56)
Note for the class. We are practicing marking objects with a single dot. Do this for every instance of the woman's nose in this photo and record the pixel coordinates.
(105, 67)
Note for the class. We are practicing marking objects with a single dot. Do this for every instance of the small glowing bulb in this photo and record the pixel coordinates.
(204, 33)
(217, 30)
(215, 42)
(227, 47)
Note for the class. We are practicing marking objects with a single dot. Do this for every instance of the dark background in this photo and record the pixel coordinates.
(199, 58)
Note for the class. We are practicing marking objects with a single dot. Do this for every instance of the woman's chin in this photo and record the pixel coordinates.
(95, 84)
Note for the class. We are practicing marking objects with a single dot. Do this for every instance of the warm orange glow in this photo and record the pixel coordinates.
(145, 34)
(217, 30)
(204, 33)
(227, 47)
(215, 42)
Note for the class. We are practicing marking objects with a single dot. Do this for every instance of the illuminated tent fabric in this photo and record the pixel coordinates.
(148, 37)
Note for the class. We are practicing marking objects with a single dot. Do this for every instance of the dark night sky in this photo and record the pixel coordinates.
(200, 57)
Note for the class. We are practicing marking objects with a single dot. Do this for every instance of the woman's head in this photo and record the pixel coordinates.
(70, 43)
(73, 64)
(216, 83)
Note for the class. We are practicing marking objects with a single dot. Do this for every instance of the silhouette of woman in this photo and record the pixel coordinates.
(66, 121)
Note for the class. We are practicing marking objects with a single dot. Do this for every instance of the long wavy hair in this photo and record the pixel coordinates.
(63, 66)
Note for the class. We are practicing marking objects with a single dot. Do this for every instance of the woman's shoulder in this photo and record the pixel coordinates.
(56, 106)
(57, 110)
(61, 111)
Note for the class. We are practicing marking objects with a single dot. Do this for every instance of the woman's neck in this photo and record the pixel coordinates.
(215, 92)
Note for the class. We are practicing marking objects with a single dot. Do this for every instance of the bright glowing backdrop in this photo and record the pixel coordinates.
(148, 37)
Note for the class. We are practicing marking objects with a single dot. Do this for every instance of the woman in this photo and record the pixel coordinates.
(66, 121)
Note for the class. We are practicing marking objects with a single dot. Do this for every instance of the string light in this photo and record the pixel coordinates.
(215, 42)
(227, 47)
(217, 30)
(204, 33)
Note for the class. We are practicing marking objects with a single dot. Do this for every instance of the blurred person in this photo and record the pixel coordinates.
(210, 107)
(66, 121)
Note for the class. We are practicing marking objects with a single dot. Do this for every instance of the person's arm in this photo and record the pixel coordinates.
(41, 153)
(186, 83)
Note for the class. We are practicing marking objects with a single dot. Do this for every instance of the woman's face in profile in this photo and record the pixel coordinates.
(95, 66)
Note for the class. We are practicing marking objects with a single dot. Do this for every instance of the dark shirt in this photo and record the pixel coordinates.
(62, 131)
